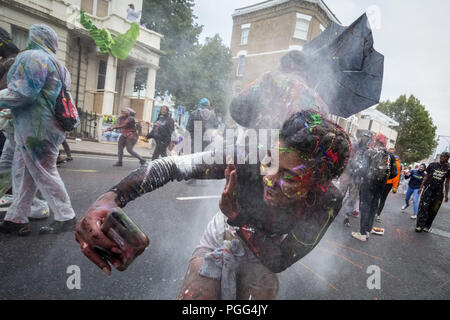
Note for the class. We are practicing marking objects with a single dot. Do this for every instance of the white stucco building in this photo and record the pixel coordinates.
(100, 83)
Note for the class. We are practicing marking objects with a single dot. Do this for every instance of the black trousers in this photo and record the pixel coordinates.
(160, 150)
(369, 200)
(384, 194)
(129, 143)
(429, 205)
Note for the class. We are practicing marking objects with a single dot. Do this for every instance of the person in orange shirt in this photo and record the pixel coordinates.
(391, 184)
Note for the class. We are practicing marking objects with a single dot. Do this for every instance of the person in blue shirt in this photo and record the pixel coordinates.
(416, 179)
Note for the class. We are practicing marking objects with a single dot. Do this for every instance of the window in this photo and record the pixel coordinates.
(302, 26)
(102, 8)
(87, 6)
(19, 37)
(245, 32)
(241, 66)
(101, 75)
(99, 8)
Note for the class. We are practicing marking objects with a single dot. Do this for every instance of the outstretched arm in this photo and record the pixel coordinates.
(145, 179)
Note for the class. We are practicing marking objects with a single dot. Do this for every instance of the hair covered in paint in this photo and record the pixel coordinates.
(7, 47)
(319, 140)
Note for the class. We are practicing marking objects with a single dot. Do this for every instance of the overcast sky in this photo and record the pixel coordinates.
(413, 35)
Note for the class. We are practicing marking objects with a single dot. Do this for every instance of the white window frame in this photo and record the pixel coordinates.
(240, 66)
(301, 33)
(94, 7)
(245, 27)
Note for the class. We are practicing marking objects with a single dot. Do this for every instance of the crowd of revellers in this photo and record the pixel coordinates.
(374, 172)
(270, 216)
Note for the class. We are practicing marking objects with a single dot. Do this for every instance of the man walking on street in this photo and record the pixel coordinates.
(416, 178)
(208, 120)
(391, 184)
(375, 169)
(162, 133)
(34, 84)
(432, 185)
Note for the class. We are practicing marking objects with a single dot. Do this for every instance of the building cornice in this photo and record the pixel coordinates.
(319, 4)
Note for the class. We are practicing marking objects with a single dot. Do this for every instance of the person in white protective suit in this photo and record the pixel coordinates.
(34, 83)
(39, 207)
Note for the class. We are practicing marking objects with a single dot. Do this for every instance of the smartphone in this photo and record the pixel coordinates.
(126, 234)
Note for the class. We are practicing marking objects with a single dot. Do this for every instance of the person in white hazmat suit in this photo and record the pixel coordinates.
(34, 83)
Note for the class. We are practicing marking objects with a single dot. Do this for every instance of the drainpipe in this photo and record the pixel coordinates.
(78, 72)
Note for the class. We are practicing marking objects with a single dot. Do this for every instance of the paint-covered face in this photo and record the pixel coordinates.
(291, 182)
(421, 168)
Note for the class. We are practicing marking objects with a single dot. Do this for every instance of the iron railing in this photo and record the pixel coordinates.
(88, 128)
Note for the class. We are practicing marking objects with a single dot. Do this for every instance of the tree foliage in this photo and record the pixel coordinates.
(206, 73)
(416, 131)
(188, 71)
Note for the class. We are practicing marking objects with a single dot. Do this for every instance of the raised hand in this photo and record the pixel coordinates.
(89, 235)
(227, 203)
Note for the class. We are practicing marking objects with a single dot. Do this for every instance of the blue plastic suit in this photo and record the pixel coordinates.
(34, 83)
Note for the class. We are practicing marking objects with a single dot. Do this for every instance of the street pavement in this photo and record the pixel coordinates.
(411, 265)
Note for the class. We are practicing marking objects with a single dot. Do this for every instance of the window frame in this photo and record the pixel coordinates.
(95, 8)
(300, 17)
(240, 66)
(245, 28)
(99, 75)
(14, 30)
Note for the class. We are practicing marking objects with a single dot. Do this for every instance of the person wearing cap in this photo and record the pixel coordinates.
(438, 174)
(34, 83)
(129, 137)
(208, 120)
(415, 181)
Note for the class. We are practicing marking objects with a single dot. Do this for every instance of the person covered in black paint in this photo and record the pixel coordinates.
(438, 175)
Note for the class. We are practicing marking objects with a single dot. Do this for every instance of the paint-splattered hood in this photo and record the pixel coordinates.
(43, 37)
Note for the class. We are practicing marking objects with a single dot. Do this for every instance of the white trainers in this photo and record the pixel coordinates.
(379, 231)
(405, 206)
(358, 236)
(413, 217)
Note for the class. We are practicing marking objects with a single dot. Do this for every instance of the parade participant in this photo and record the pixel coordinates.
(8, 52)
(350, 206)
(375, 169)
(162, 132)
(391, 184)
(127, 125)
(433, 193)
(416, 178)
(34, 83)
(298, 202)
(207, 117)
(319, 148)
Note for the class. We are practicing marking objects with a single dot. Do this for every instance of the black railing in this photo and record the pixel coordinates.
(88, 128)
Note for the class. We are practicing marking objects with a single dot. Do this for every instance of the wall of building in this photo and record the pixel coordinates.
(271, 36)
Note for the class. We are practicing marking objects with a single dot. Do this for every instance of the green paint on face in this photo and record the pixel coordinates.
(317, 119)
